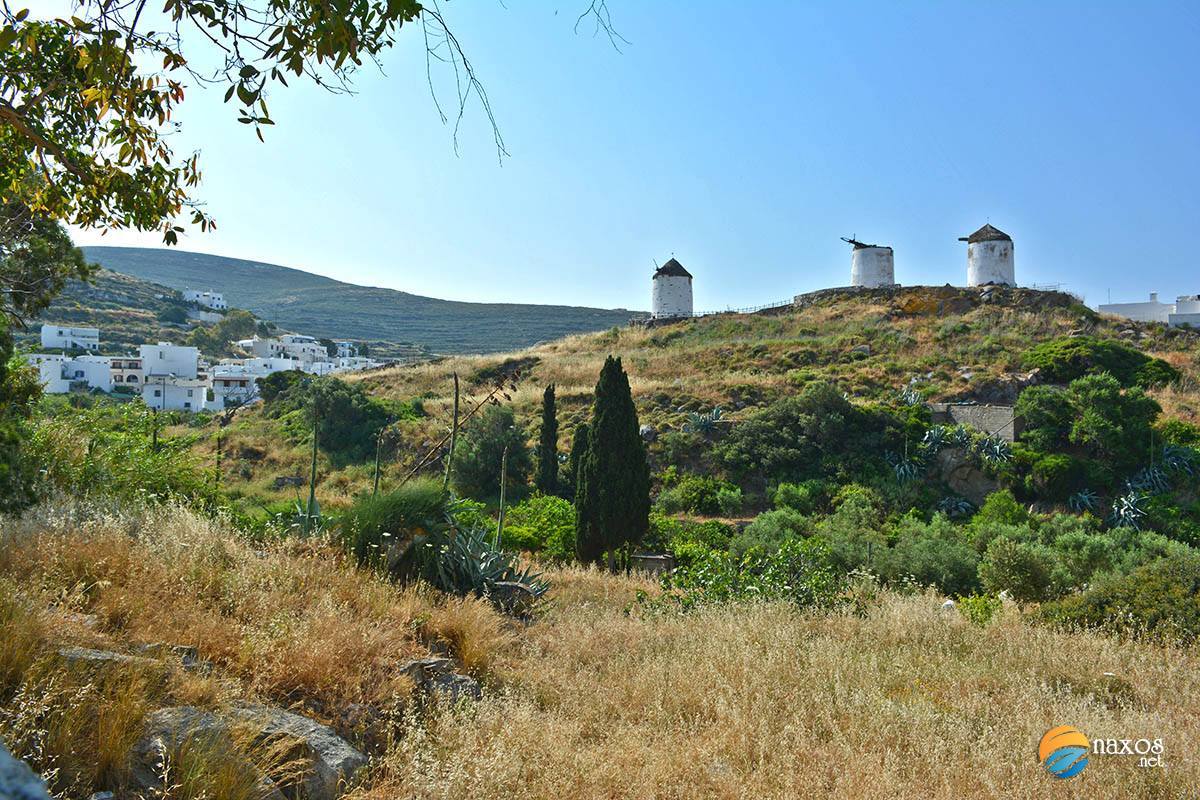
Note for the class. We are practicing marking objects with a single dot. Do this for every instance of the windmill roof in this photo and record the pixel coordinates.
(672, 268)
(986, 234)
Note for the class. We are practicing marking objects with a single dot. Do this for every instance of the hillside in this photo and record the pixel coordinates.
(321, 306)
(947, 344)
(126, 309)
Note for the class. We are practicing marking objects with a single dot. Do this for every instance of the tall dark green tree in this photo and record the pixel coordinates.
(579, 446)
(547, 471)
(612, 485)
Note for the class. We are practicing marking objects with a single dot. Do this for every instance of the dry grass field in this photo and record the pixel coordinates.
(598, 697)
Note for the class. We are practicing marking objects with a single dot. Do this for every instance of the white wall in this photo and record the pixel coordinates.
(990, 262)
(58, 373)
(175, 394)
(872, 266)
(1150, 311)
(671, 296)
(68, 338)
(169, 359)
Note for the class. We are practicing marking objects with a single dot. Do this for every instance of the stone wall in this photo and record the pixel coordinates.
(993, 420)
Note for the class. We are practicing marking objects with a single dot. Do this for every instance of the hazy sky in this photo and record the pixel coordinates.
(744, 139)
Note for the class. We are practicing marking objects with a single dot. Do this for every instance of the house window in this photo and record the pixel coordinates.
(158, 392)
(187, 405)
(189, 392)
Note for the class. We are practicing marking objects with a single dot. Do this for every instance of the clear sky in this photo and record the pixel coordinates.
(742, 138)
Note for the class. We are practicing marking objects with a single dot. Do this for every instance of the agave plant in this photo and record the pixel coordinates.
(959, 436)
(703, 423)
(905, 468)
(1149, 479)
(936, 438)
(464, 561)
(910, 396)
(1084, 500)
(994, 450)
(953, 506)
(1127, 511)
(1178, 459)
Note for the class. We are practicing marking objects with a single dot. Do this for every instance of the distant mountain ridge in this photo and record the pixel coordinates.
(320, 306)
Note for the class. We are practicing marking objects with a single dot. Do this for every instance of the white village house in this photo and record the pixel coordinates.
(61, 374)
(206, 299)
(63, 337)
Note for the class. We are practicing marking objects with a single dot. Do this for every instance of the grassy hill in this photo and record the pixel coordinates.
(124, 308)
(321, 306)
(946, 343)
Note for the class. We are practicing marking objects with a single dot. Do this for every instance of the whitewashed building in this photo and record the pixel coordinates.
(290, 345)
(64, 337)
(671, 291)
(235, 381)
(61, 374)
(1184, 311)
(171, 393)
(206, 299)
(990, 257)
(166, 359)
(126, 371)
(346, 349)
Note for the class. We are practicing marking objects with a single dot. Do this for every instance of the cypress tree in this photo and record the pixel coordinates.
(579, 446)
(547, 474)
(612, 486)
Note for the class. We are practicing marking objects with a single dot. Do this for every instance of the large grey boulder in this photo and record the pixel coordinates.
(332, 760)
(166, 731)
(18, 781)
(455, 687)
(83, 656)
(328, 761)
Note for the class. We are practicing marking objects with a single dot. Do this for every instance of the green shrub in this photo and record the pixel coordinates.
(1064, 359)
(854, 531)
(542, 524)
(480, 451)
(770, 530)
(980, 608)
(730, 501)
(109, 450)
(1180, 433)
(808, 497)
(1158, 599)
(1056, 476)
(817, 434)
(348, 419)
(938, 554)
(799, 572)
(697, 494)
(1028, 571)
(686, 538)
(376, 524)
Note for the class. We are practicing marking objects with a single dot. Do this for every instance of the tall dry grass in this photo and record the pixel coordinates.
(766, 702)
(292, 622)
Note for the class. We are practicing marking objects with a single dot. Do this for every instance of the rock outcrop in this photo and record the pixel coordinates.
(332, 761)
(18, 781)
(327, 762)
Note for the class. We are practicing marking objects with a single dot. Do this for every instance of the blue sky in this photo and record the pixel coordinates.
(745, 140)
